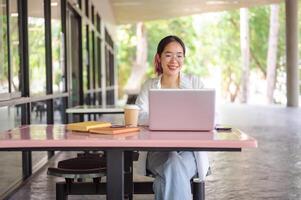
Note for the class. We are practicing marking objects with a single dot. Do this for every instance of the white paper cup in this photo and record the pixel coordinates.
(131, 113)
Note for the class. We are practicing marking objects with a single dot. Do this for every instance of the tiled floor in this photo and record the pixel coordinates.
(272, 171)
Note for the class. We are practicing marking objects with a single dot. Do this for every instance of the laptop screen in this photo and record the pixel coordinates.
(181, 109)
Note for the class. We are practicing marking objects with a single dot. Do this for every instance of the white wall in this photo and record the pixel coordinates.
(107, 16)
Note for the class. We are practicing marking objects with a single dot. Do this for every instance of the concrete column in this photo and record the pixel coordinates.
(292, 85)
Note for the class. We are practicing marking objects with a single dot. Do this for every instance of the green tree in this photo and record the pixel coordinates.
(220, 46)
(213, 41)
(126, 54)
(3, 54)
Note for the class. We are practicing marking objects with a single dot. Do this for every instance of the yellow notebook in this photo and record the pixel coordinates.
(86, 126)
(114, 130)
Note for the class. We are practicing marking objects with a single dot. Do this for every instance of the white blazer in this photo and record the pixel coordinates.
(186, 82)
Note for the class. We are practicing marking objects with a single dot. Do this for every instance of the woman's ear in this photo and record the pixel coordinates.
(157, 62)
(157, 57)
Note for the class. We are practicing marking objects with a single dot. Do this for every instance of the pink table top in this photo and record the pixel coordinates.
(56, 136)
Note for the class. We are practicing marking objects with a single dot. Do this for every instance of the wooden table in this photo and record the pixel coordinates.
(56, 137)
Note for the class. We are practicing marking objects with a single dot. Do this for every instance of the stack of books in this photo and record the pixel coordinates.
(100, 127)
(86, 126)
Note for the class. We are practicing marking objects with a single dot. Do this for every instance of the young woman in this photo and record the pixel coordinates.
(172, 170)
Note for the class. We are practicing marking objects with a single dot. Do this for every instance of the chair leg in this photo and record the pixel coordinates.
(198, 190)
(61, 193)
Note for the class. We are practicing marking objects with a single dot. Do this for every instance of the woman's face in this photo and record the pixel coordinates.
(172, 59)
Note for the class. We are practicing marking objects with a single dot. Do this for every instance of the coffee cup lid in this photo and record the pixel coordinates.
(131, 106)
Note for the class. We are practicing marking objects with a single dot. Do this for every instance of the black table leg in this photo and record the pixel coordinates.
(128, 174)
(26, 164)
(115, 175)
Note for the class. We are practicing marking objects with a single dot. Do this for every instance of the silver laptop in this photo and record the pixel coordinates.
(181, 109)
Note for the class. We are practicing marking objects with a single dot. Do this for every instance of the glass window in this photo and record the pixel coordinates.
(58, 109)
(86, 62)
(91, 60)
(57, 47)
(38, 115)
(10, 117)
(38, 112)
(99, 98)
(98, 62)
(11, 169)
(110, 97)
(3, 49)
(85, 53)
(14, 46)
(107, 66)
(36, 46)
(93, 63)
(98, 70)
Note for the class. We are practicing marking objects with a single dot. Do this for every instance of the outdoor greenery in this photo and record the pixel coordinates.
(3, 54)
(213, 51)
(36, 46)
(213, 43)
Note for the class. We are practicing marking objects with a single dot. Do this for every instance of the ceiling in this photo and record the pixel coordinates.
(131, 11)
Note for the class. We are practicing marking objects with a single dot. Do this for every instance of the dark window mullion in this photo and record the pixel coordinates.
(87, 8)
(8, 46)
(48, 50)
(99, 74)
(24, 58)
(94, 61)
(81, 85)
(98, 23)
(63, 21)
(24, 67)
(89, 63)
(98, 56)
(92, 16)
(112, 69)
(48, 59)
(80, 4)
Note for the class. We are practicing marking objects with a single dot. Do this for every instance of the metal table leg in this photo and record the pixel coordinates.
(26, 164)
(115, 175)
(128, 175)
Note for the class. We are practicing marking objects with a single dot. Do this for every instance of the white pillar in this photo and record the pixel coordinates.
(292, 77)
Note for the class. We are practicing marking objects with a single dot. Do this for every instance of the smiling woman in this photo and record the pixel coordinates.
(170, 55)
(171, 61)
(172, 170)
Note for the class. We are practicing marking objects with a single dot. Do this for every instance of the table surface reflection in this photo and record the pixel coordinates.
(43, 136)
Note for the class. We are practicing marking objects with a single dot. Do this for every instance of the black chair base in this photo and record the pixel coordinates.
(64, 189)
(93, 166)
